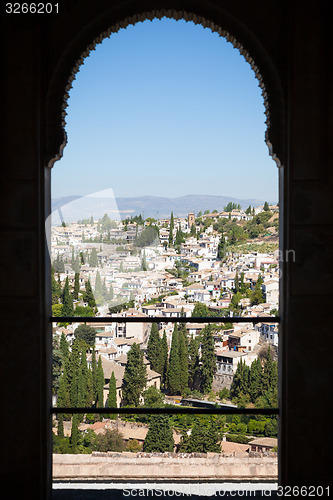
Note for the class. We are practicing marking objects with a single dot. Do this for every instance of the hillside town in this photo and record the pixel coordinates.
(208, 264)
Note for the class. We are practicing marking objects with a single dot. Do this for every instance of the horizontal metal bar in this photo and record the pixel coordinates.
(163, 319)
(171, 411)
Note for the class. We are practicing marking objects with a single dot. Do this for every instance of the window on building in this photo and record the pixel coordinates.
(131, 246)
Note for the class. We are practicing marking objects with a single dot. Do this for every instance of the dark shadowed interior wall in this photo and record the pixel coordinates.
(290, 44)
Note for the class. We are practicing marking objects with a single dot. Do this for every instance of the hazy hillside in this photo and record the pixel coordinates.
(76, 207)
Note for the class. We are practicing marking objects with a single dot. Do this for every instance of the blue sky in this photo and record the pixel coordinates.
(166, 108)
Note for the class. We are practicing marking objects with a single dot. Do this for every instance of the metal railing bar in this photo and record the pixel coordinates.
(171, 411)
(163, 319)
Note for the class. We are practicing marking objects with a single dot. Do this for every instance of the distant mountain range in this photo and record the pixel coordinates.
(76, 207)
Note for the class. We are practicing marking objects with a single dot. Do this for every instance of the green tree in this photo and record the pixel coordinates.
(75, 433)
(135, 376)
(266, 206)
(196, 442)
(63, 400)
(73, 372)
(93, 259)
(85, 393)
(242, 286)
(173, 376)
(59, 265)
(171, 230)
(159, 437)
(153, 348)
(76, 286)
(86, 333)
(98, 289)
(56, 288)
(100, 381)
(88, 295)
(212, 440)
(153, 398)
(64, 348)
(241, 381)
(76, 266)
(112, 397)
(163, 359)
(183, 358)
(269, 373)
(193, 366)
(255, 379)
(94, 372)
(208, 360)
(257, 296)
(148, 237)
(200, 310)
(222, 248)
(236, 288)
(111, 440)
(144, 266)
(67, 300)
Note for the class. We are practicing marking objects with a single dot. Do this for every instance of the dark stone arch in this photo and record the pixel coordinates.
(225, 23)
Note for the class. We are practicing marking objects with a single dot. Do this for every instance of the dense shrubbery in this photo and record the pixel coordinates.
(235, 438)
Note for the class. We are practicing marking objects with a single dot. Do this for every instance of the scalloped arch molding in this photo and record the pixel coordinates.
(58, 119)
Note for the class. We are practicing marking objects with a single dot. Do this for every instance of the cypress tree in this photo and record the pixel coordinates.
(269, 374)
(241, 381)
(255, 379)
(257, 296)
(56, 288)
(154, 347)
(105, 293)
(212, 441)
(85, 396)
(60, 431)
(67, 300)
(98, 289)
(93, 260)
(159, 437)
(64, 348)
(193, 365)
(144, 266)
(76, 266)
(112, 397)
(94, 373)
(163, 360)
(208, 366)
(74, 372)
(171, 230)
(88, 295)
(221, 248)
(75, 433)
(135, 376)
(236, 283)
(100, 381)
(76, 286)
(183, 359)
(63, 400)
(242, 284)
(173, 376)
(196, 442)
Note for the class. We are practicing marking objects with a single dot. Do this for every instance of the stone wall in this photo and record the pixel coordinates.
(136, 466)
(222, 381)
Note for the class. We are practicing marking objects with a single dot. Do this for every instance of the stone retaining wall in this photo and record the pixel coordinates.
(132, 466)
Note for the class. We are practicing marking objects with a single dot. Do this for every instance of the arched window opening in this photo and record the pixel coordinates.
(164, 249)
